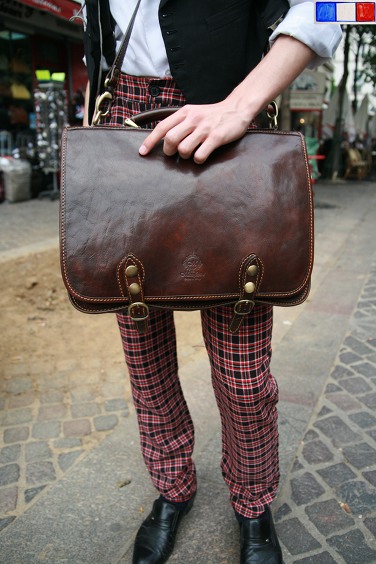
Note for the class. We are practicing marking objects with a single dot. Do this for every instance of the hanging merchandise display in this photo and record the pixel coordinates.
(51, 118)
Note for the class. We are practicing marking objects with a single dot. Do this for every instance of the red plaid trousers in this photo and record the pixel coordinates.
(245, 390)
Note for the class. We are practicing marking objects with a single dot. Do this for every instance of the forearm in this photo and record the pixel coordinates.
(284, 62)
(198, 130)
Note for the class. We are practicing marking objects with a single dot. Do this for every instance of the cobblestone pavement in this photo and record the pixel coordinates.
(50, 416)
(327, 509)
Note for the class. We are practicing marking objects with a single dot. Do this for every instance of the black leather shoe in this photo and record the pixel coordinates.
(258, 541)
(155, 539)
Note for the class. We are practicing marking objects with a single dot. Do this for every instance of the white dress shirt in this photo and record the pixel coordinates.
(146, 53)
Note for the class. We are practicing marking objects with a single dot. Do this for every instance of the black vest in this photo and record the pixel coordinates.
(211, 45)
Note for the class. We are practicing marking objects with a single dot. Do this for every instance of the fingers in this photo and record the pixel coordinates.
(195, 130)
(159, 132)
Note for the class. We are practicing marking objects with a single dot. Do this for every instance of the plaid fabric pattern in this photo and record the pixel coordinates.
(245, 391)
(246, 395)
(137, 94)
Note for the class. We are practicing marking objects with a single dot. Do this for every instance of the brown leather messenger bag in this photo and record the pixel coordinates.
(139, 232)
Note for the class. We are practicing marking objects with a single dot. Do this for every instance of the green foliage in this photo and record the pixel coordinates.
(365, 41)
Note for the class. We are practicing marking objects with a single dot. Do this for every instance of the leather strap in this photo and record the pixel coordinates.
(250, 276)
(131, 277)
(113, 74)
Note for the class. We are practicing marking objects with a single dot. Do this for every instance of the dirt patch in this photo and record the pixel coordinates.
(38, 323)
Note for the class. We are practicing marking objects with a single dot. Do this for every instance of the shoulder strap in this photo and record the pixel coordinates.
(113, 74)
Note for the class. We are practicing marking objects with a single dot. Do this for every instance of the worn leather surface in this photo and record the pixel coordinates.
(189, 226)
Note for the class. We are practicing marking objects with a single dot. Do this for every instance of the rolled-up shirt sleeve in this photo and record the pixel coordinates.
(299, 23)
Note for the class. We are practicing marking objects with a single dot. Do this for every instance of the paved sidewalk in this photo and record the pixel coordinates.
(325, 362)
(326, 511)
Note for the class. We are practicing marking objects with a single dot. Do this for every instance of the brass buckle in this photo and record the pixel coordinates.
(249, 303)
(133, 314)
(98, 114)
(273, 121)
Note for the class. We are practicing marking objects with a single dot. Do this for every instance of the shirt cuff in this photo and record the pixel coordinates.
(300, 23)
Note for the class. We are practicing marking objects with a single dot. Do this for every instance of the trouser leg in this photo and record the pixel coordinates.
(246, 395)
(166, 428)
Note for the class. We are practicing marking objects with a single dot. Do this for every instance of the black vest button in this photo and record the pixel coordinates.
(154, 91)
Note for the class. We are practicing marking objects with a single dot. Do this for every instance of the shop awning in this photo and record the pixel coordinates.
(65, 9)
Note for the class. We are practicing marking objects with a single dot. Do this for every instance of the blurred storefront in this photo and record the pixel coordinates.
(37, 35)
(307, 96)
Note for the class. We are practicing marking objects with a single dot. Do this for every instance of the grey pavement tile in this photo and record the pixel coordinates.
(370, 476)
(310, 435)
(16, 434)
(296, 538)
(52, 412)
(16, 417)
(366, 368)
(37, 451)
(324, 411)
(8, 499)
(67, 443)
(328, 517)
(359, 496)
(30, 493)
(297, 466)
(66, 460)
(316, 452)
(9, 474)
(353, 548)
(357, 345)
(77, 428)
(332, 388)
(105, 422)
(360, 455)
(370, 523)
(52, 396)
(372, 434)
(369, 400)
(85, 409)
(115, 405)
(305, 489)
(282, 512)
(5, 522)
(18, 385)
(321, 558)
(46, 429)
(336, 474)
(336, 430)
(344, 401)
(349, 358)
(40, 473)
(10, 454)
(83, 394)
(21, 400)
(357, 385)
(364, 419)
(340, 372)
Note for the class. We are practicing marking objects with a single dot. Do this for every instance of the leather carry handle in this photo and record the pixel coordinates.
(149, 116)
(159, 114)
